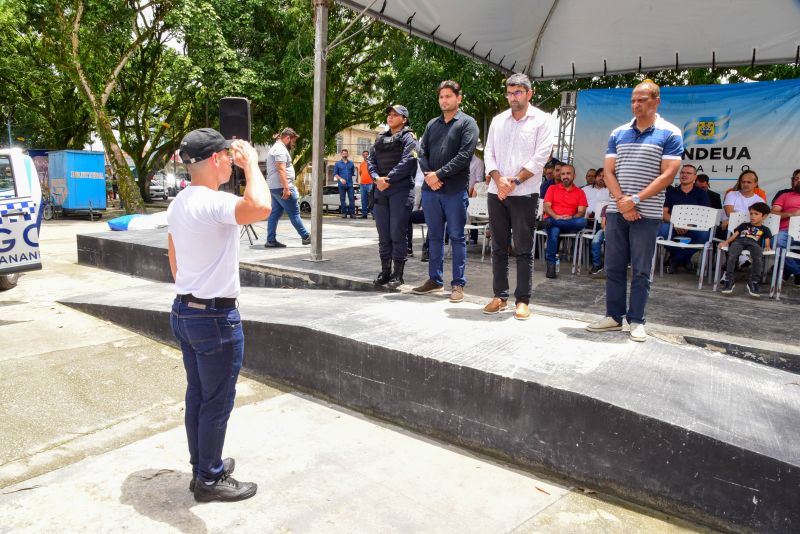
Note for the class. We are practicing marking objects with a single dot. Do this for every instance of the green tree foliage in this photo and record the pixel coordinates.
(44, 105)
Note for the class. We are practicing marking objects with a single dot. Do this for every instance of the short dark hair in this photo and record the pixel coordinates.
(549, 165)
(690, 165)
(450, 84)
(760, 207)
(795, 173)
(344, 150)
(703, 177)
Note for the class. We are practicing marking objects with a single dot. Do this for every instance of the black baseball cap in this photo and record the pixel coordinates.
(397, 108)
(200, 144)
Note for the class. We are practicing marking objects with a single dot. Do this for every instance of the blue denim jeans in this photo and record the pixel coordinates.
(212, 343)
(597, 247)
(792, 265)
(634, 243)
(281, 205)
(441, 208)
(365, 190)
(347, 193)
(554, 228)
(682, 256)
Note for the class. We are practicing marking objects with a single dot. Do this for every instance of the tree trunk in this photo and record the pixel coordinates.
(128, 191)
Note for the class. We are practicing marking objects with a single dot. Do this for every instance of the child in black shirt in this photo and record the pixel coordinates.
(748, 236)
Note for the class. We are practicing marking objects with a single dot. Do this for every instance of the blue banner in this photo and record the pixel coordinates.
(726, 129)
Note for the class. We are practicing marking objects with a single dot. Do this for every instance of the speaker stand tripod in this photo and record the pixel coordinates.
(248, 229)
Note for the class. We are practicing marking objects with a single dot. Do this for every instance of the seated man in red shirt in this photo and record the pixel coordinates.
(565, 211)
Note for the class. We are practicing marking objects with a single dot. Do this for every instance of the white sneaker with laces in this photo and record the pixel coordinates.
(606, 324)
(638, 333)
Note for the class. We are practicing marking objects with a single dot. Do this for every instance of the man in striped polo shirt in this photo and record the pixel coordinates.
(642, 159)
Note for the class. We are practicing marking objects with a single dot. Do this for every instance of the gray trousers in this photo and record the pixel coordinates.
(756, 257)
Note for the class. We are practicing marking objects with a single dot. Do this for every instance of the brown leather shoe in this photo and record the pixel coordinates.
(523, 313)
(495, 306)
(428, 287)
(457, 294)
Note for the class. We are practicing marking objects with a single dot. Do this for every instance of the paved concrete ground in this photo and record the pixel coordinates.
(91, 441)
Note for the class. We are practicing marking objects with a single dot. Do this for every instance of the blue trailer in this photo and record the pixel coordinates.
(77, 181)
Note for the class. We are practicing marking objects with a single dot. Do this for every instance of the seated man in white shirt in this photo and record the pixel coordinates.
(596, 195)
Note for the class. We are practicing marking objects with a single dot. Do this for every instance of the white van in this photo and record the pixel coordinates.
(20, 216)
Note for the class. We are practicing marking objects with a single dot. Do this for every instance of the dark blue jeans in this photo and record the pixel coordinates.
(347, 193)
(441, 208)
(289, 205)
(365, 190)
(212, 343)
(634, 243)
(554, 228)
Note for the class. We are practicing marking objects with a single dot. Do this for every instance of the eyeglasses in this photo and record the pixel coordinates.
(518, 93)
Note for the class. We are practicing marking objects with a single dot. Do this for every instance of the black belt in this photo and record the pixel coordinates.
(209, 303)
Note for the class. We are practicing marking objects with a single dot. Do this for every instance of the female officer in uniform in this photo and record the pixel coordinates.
(392, 164)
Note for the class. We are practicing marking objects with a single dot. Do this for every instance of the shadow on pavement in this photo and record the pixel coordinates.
(163, 495)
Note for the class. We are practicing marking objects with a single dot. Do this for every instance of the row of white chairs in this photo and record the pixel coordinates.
(686, 217)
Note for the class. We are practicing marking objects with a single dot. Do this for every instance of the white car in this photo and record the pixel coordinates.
(330, 200)
(157, 189)
(20, 204)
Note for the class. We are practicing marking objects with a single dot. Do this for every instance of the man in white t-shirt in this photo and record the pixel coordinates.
(203, 242)
(280, 180)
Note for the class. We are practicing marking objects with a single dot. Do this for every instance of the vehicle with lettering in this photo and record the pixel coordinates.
(20, 216)
(77, 181)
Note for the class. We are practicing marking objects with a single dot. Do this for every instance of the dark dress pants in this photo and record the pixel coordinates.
(392, 213)
(515, 216)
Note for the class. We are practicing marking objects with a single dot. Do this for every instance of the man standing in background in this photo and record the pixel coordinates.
(365, 184)
(343, 172)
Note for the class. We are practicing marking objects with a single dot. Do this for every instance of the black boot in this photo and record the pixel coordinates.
(551, 270)
(397, 275)
(385, 274)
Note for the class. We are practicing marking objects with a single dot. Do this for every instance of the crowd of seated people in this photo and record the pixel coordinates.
(568, 208)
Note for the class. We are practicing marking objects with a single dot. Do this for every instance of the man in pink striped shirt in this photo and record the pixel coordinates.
(517, 147)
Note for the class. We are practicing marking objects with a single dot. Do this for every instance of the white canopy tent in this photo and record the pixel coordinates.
(579, 38)
(549, 39)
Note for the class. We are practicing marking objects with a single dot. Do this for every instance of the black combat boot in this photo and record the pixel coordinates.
(397, 275)
(385, 274)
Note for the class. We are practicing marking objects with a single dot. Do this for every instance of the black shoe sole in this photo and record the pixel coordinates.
(211, 497)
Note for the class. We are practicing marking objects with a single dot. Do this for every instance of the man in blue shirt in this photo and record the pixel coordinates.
(343, 172)
(642, 159)
(445, 152)
(686, 192)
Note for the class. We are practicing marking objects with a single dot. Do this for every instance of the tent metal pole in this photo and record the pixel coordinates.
(321, 8)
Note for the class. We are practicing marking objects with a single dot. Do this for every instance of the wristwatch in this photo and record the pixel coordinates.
(636, 199)
(517, 181)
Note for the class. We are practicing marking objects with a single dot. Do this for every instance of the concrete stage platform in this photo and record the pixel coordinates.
(682, 429)
(676, 311)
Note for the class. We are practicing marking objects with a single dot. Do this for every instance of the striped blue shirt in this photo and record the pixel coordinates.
(638, 160)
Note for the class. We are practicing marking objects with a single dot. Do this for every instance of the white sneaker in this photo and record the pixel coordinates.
(606, 324)
(638, 333)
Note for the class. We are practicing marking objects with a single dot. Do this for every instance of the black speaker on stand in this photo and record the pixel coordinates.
(235, 123)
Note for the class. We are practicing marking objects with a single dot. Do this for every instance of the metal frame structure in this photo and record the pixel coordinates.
(567, 111)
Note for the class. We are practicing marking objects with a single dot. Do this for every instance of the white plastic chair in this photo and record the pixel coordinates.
(478, 210)
(690, 217)
(773, 222)
(588, 235)
(788, 252)
(541, 235)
